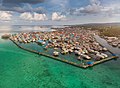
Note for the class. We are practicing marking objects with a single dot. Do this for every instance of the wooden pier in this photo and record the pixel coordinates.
(101, 61)
(66, 61)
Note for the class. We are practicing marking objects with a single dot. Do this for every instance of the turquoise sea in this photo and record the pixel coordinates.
(22, 69)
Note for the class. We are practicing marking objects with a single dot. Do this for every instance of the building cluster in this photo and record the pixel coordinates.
(114, 41)
(66, 41)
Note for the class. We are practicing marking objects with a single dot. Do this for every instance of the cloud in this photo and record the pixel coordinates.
(94, 7)
(91, 9)
(19, 5)
(33, 17)
(58, 5)
(112, 10)
(5, 15)
(26, 16)
(21, 1)
(62, 3)
(97, 2)
(57, 16)
(28, 8)
(40, 16)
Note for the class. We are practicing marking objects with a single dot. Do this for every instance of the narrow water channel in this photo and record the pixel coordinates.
(104, 43)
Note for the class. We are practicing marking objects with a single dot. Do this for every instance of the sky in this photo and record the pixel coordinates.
(58, 12)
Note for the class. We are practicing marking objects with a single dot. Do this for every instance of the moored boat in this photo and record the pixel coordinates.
(55, 53)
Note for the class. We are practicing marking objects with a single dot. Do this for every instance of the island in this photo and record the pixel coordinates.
(73, 45)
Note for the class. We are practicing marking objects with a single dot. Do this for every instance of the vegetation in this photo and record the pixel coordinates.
(111, 29)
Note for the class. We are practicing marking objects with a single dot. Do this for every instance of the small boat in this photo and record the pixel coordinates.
(70, 51)
(76, 52)
(64, 52)
(91, 51)
(114, 44)
(86, 56)
(99, 55)
(55, 53)
(79, 58)
(104, 49)
(105, 55)
(55, 48)
(96, 52)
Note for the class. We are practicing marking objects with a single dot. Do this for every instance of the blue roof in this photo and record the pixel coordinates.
(114, 54)
(90, 63)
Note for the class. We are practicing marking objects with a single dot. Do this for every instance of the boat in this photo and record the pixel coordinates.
(80, 58)
(86, 56)
(64, 52)
(70, 50)
(105, 55)
(91, 51)
(76, 52)
(99, 55)
(114, 44)
(104, 49)
(55, 48)
(55, 53)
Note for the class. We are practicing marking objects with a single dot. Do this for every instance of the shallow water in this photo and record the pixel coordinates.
(21, 69)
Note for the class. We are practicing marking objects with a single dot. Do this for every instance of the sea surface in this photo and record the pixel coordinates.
(22, 69)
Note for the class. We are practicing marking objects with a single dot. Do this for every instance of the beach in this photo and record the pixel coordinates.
(22, 69)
